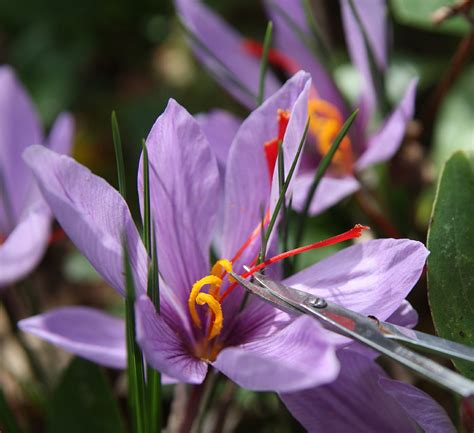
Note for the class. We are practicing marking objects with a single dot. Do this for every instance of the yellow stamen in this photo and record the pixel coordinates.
(197, 286)
(326, 122)
(221, 266)
(215, 306)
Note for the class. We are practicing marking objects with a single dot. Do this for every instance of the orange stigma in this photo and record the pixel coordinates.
(271, 147)
(325, 123)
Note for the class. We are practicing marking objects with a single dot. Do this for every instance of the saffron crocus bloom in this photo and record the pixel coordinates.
(364, 399)
(234, 61)
(25, 219)
(200, 322)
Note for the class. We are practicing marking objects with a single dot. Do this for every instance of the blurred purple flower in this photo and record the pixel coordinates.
(364, 400)
(235, 63)
(25, 219)
(258, 348)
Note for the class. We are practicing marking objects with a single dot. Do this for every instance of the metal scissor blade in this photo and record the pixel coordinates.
(431, 343)
(362, 329)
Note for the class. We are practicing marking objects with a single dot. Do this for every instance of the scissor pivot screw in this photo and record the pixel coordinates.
(318, 303)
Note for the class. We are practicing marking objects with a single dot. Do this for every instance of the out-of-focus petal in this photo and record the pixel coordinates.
(288, 41)
(19, 128)
(298, 356)
(184, 188)
(386, 141)
(83, 331)
(372, 277)
(92, 213)
(224, 53)
(24, 247)
(60, 138)
(428, 414)
(330, 191)
(164, 348)
(354, 403)
(405, 315)
(372, 16)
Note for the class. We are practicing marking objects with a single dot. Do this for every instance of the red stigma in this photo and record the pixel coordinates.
(271, 147)
(353, 233)
(275, 57)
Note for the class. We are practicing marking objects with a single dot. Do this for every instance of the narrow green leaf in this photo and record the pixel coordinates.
(323, 166)
(283, 190)
(320, 40)
(284, 223)
(451, 259)
(7, 419)
(83, 402)
(135, 369)
(119, 156)
(264, 62)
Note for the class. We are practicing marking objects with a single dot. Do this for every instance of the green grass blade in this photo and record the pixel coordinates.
(283, 190)
(135, 370)
(264, 62)
(323, 166)
(320, 40)
(119, 156)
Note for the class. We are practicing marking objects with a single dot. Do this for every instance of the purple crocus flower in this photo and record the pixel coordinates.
(231, 58)
(364, 400)
(25, 219)
(259, 348)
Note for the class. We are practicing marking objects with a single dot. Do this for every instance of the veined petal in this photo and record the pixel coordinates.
(164, 348)
(404, 315)
(92, 213)
(330, 191)
(83, 331)
(290, 44)
(19, 128)
(298, 356)
(372, 277)
(25, 245)
(386, 141)
(184, 189)
(428, 414)
(354, 403)
(247, 184)
(224, 55)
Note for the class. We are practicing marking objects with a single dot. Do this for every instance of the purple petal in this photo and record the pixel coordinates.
(83, 331)
(184, 185)
(92, 213)
(220, 128)
(330, 191)
(353, 403)
(60, 138)
(247, 187)
(25, 245)
(386, 141)
(289, 43)
(372, 15)
(224, 55)
(372, 277)
(164, 348)
(405, 315)
(429, 415)
(299, 356)
(19, 128)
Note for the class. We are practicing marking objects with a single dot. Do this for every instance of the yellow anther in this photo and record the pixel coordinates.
(326, 122)
(218, 270)
(197, 286)
(215, 306)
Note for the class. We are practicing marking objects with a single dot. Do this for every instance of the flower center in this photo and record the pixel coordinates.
(325, 123)
(271, 146)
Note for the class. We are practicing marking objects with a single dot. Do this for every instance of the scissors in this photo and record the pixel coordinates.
(378, 335)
